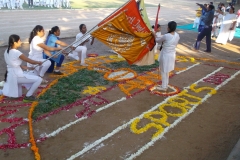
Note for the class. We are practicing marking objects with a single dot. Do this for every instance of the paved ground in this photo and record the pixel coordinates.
(21, 22)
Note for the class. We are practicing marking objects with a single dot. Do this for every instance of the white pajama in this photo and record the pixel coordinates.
(35, 83)
(40, 70)
(80, 51)
(165, 79)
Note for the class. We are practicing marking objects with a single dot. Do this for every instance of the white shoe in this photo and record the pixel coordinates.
(44, 81)
(160, 88)
(84, 64)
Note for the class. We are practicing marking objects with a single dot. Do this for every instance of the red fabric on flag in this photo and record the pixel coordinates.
(156, 22)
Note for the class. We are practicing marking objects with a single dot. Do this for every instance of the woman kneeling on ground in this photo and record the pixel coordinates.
(80, 53)
(53, 41)
(14, 77)
(37, 47)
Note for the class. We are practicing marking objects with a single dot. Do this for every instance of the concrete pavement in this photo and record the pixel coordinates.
(22, 22)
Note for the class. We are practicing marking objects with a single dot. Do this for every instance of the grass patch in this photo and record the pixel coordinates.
(69, 89)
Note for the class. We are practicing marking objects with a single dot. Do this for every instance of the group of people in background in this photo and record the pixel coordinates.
(219, 22)
(43, 57)
(18, 4)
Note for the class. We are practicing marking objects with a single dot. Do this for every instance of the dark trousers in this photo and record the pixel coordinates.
(51, 68)
(206, 31)
(30, 3)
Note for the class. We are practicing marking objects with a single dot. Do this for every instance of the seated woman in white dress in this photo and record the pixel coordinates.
(14, 77)
(167, 54)
(80, 53)
(37, 46)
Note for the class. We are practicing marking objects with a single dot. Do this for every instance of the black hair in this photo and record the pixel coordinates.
(5, 76)
(36, 29)
(172, 26)
(211, 3)
(13, 38)
(157, 26)
(53, 29)
(81, 26)
(211, 7)
(232, 7)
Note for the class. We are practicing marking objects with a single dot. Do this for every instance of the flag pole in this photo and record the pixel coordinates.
(83, 38)
(156, 21)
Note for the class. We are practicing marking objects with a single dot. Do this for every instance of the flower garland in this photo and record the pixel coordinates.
(116, 58)
(34, 147)
(173, 105)
(160, 135)
(16, 119)
(99, 68)
(162, 120)
(173, 102)
(121, 74)
(1, 98)
(216, 78)
(93, 90)
(175, 90)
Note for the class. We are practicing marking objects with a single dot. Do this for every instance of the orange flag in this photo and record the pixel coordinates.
(136, 23)
(134, 17)
(125, 40)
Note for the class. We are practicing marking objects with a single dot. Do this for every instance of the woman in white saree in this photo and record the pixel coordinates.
(228, 27)
(167, 54)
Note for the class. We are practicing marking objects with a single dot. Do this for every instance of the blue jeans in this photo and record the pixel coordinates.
(51, 68)
(205, 32)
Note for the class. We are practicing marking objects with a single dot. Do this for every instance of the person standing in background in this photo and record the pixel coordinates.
(206, 31)
(197, 19)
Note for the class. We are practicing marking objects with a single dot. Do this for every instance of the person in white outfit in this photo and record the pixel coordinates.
(49, 3)
(197, 19)
(238, 19)
(217, 21)
(15, 77)
(37, 46)
(9, 4)
(1, 4)
(228, 27)
(13, 4)
(80, 52)
(167, 54)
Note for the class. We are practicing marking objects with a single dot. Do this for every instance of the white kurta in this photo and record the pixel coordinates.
(225, 33)
(81, 51)
(36, 53)
(11, 87)
(168, 52)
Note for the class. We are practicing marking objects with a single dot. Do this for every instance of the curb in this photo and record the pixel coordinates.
(235, 153)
